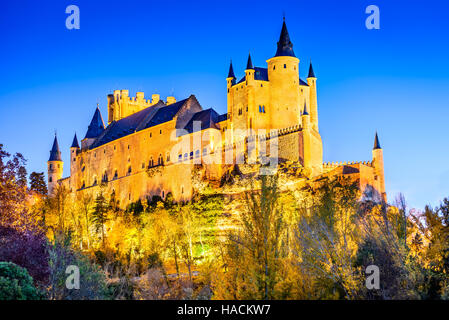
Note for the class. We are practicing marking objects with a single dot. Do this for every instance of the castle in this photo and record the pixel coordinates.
(151, 147)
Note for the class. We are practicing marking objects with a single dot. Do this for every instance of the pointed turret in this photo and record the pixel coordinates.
(249, 64)
(96, 126)
(231, 71)
(311, 73)
(75, 143)
(378, 165)
(285, 46)
(305, 112)
(54, 166)
(55, 153)
(376, 142)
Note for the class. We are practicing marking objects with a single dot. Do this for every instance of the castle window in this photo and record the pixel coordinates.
(95, 181)
(285, 66)
(160, 131)
(104, 151)
(128, 146)
(260, 108)
(51, 166)
(168, 157)
(191, 155)
(204, 152)
(50, 179)
(261, 85)
(74, 159)
(115, 174)
(151, 163)
(114, 147)
(83, 168)
(246, 108)
(182, 189)
(228, 90)
(197, 153)
(151, 134)
(59, 166)
(186, 156)
(160, 160)
(274, 67)
(83, 185)
(163, 194)
(129, 196)
(95, 154)
(105, 177)
(143, 165)
(129, 170)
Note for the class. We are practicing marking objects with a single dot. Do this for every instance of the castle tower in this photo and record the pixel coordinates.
(54, 167)
(311, 81)
(378, 164)
(283, 74)
(74, 148)
(96, 127)
(230, 81)
(250, 94)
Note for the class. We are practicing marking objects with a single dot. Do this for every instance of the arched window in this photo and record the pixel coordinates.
(186, 155)
(50, 179)
(179, 157)
(197, 153)
(151, 163)
(95, 181)
(105, 177)
(129, 170)
(115, 174)
(204, 152)
(160, 160)
(168, 157)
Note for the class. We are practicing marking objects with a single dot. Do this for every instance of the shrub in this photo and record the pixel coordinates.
(16, 283)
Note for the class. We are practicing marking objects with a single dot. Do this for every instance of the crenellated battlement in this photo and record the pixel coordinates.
(331, 165)
(121, 105)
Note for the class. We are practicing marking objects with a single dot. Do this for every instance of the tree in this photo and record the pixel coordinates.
(16, 283)
(253, 255)
(37, 183)
(99, 214)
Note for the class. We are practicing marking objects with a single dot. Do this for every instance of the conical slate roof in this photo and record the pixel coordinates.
(376, 142)
(285, 46)
(55, 154)
(75, 142)
(96, 126)
(305, 113)
(249, 64)
(231, 71)
(311, 73)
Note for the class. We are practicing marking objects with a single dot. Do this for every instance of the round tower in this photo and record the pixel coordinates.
(283, 74)
(311, 81)
(74, 148)
(378, 164)
(54, 166)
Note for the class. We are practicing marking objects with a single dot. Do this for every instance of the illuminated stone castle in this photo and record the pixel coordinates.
(152, 147)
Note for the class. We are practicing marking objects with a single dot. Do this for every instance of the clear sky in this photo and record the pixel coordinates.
(394, 80)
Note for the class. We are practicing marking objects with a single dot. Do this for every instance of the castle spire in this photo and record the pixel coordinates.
(285, 46)
(75, 142)
(96, 126)
(311, 73)
(305, 112)
(55, 153)
(231, 71)
(249, 64)
(376, 142)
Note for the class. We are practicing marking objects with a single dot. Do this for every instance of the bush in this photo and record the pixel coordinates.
(16, 283)
(26, 249)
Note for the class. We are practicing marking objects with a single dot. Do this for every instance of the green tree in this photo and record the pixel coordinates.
(37, 183)
(99, 214)
(16, 283)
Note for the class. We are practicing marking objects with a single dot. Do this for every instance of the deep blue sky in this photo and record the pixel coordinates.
(394, 80)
